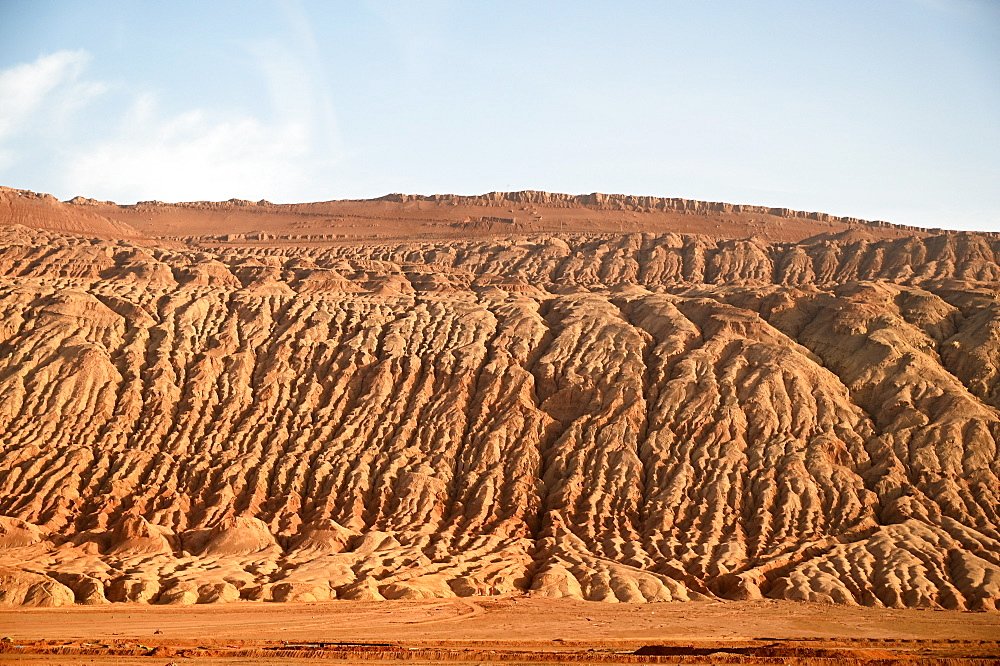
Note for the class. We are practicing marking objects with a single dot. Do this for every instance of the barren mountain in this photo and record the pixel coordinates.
(602, 397)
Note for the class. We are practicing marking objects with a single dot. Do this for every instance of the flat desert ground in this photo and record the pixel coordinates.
(499, 629)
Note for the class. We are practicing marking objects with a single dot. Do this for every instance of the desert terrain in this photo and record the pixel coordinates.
(449, 401)
(499, 630)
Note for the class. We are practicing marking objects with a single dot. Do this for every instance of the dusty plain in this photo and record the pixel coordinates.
(497, 630)
(436, 420)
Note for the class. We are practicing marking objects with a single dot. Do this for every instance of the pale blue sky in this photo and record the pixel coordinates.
(880, 109)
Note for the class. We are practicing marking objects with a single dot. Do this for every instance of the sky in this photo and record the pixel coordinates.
(877, 109)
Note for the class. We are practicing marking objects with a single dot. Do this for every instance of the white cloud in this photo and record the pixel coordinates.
(24, 88)
(191, 156)
(130, 149)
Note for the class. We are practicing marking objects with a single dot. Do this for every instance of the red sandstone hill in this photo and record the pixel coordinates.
(438, 216)
(602, 397)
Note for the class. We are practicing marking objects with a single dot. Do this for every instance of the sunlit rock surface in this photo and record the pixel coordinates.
(618, 417)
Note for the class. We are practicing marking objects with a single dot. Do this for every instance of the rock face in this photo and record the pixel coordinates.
(623, 418)
(438, 216)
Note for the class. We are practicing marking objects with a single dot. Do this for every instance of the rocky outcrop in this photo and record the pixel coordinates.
(623, 202)
(403, 216)
(620, 418)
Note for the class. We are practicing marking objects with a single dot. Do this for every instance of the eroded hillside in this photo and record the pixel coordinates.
(613, 417)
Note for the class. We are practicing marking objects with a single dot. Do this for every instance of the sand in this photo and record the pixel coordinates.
(508, 626)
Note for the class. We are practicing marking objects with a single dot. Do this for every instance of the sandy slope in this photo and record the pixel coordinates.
(43, 211)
